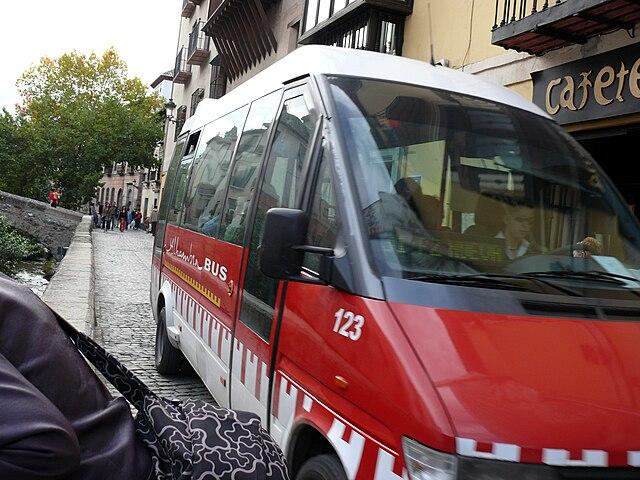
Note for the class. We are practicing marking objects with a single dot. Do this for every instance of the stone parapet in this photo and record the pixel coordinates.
(53, 227)
(71, 290)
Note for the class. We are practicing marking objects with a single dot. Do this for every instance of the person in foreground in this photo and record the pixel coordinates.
(58, 419)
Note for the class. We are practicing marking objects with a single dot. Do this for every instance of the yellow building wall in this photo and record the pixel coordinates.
(461, 33)
(452, 25)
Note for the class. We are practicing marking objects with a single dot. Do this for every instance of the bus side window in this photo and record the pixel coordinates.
(324, 222)
(166, 196)
(280, 188)
(182, 177)
(246, 167)
(209, 179)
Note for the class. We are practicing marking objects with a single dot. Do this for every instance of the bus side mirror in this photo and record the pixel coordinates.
(284, 229)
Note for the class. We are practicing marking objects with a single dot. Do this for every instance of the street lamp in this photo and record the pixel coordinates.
(169, 107)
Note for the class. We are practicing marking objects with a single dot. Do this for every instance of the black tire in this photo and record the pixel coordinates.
(322, 467)
(169, 359)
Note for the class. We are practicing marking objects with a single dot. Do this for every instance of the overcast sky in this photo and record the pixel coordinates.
(144, 32)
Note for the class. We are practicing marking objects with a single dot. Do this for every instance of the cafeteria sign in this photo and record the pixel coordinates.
(605, 85)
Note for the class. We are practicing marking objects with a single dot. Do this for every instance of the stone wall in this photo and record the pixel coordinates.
(53, 227)
(71, 290)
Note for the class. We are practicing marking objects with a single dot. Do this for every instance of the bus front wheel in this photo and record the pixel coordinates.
(169, 359)
(322, 467)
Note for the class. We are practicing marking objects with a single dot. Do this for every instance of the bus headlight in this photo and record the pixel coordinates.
(426, 464)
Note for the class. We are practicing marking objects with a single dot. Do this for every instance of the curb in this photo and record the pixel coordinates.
(71, 291)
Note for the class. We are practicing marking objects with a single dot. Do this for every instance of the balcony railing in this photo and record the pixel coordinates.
(508, 11)
(188, 7)
(198, 46)
(182, 70)
(538, 26)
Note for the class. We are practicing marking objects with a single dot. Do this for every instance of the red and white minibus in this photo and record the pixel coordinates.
(407, 272)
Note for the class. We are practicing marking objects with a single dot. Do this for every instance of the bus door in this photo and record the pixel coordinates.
(280, 184)
(165, 199)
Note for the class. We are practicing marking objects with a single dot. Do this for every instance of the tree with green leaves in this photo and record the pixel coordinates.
(80, 113)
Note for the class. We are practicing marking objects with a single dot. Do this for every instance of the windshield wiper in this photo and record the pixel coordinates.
(472, 279)
(499, 280)
(606, 277)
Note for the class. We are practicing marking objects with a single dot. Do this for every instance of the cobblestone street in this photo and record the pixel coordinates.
(125, 324)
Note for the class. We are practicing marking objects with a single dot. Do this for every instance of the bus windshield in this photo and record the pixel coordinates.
(452, 185)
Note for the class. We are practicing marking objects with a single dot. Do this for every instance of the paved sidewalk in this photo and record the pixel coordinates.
(125, 324)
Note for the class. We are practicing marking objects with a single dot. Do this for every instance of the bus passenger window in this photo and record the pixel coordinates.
(208, 182)
(247, 167)
(180, 188)
(324, 221)
(280, 188)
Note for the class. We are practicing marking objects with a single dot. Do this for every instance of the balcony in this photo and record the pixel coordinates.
(198, 52)
(241, 33)
(539, 26)
(188, 7)
(182, 70)
(327, 19)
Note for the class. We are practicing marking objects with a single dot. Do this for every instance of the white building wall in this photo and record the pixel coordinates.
(200, 77)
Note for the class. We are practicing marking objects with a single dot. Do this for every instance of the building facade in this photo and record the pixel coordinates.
(520, 44)
(197, 72)
(121, 185)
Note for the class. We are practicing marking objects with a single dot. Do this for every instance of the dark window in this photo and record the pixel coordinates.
(211, 172)
(177, 200)
(294, 33)
(182, 178)
(218, 86)
(192, 144)
(280, 188)
(365, 28)
(324, 220)
(181, 117)
(247, 166)
(196, 98)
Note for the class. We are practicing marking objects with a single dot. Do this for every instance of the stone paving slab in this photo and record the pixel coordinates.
(124, 322)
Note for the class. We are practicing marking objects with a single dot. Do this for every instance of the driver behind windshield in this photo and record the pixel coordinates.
(517, 220)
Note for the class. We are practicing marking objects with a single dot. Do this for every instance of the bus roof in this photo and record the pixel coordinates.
(324, 60)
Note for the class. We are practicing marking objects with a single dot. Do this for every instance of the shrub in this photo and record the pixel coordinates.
(14, 246)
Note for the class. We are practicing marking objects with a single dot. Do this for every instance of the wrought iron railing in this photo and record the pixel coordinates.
(508, 11)
(197, 39)
(181, 63)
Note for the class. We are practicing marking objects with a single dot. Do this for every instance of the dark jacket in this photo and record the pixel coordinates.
(57, 419)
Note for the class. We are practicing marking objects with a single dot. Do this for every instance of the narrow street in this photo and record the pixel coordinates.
(125, 324)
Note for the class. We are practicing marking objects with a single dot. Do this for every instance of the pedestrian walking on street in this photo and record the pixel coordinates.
(93, 211)
(107, 217)
(115, 213)
(137, 218)
(123, 216)
(154, 220)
